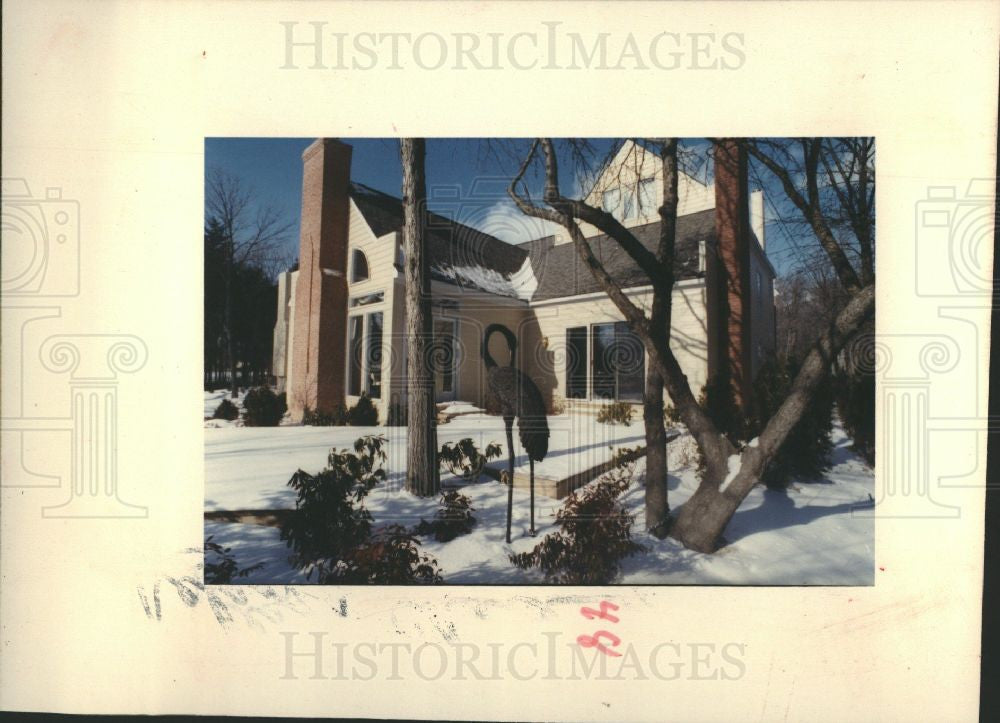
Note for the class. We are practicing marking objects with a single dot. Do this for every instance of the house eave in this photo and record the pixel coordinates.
(692, 283)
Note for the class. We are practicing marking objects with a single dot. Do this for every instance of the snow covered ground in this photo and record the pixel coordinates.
(814, 533)
(247, 468)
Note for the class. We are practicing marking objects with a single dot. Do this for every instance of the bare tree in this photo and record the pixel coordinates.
(253, 234)
(421, 450)
(730, 473)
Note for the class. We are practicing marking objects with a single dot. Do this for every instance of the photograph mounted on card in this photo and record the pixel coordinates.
(515, 361)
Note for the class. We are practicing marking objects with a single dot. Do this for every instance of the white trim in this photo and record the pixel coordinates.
(444, 290)
(632, 291)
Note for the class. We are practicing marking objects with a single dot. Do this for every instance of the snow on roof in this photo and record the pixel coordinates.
(519, 285)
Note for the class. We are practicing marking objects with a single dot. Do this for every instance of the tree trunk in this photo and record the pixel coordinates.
(230, 342)
(656, 455)
(421, 451)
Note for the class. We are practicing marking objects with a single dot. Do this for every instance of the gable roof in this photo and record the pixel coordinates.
(561, 272)
(458, 254)
(534, 270)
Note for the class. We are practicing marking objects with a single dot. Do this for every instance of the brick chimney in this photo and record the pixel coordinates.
(732, 229)
(320, 320)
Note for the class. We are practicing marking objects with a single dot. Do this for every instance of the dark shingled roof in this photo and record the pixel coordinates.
(561, 272)
(469, 258)
(458, 254)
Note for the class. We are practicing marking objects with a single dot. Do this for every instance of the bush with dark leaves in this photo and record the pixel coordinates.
(616, 413)
(263, 408)
(805, 452)
(594, 535)
(223, 568)
(336, 418)
(855, 396)
(363, 414)
(330, 519)
(227, 410)
(463, 458)
(391, 556)
(452, 518)
(330, 530)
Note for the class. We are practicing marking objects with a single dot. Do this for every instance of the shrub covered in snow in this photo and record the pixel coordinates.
(452, 518)
(220, 564)
(616, 413)
(226, 410)
(463, 458)
(263, 408)
(595, 534)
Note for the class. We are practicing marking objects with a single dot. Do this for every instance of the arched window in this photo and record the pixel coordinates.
(359, 266)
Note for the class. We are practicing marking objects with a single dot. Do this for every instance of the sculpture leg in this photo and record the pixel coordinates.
(531, 467)
(510, 473)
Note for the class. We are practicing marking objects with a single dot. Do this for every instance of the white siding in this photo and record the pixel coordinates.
(623, 173)
(381, 255)
(544, 334)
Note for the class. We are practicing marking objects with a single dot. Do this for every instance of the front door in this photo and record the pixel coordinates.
(444, 359)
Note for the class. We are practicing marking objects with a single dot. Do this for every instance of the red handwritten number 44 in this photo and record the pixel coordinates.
(594, 641)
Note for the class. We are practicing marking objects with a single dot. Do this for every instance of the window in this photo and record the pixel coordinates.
(647, 196)
(618, 205)
(602, 361)
(758, 284)
(617, 363)
(359, 266)
(629, 200)
(365, 355)
(610, 200)
(373, 359)
(576, 363)
(444, 355)
(355, 333)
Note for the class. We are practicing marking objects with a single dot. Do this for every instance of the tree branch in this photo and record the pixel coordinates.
(810, 207)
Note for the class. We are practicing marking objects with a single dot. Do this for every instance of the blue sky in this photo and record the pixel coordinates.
(467, 171)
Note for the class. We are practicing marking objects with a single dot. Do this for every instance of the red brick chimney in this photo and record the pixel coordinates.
(320, 325)
(732, 229)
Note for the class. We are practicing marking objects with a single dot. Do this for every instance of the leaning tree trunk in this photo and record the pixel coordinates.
(421, 450)
(726, 481)
(656, 455)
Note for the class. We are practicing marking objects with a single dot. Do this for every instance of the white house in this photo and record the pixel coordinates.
(341, 314)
